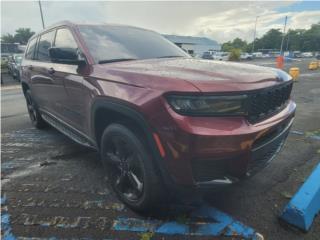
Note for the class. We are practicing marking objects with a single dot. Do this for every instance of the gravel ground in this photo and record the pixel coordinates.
(56, 188)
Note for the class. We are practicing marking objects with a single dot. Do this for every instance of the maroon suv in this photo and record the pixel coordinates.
(160, 118)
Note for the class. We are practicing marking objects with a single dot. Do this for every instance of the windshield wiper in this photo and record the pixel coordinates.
(116, 60)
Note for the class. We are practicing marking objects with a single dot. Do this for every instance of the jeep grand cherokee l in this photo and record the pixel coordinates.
(158, 117)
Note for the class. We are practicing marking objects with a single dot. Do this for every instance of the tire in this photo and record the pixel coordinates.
(129, 168)
(33, 111)
(17, 76)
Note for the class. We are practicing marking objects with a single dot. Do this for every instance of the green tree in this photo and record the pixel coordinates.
(270, 40)
(235, 54)
(22, 35)
(311, 38)
(237, 43)
(299, 40)
(226, 47)
(295, 38)
(7, 38)
(248, 48)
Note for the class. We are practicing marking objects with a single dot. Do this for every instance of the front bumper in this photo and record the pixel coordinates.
(261, 155)
(214, 151)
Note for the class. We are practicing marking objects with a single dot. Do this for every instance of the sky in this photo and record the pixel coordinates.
(218, 20)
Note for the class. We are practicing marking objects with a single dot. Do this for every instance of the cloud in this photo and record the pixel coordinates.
(304, 19)
(240, 22)
(219, 20)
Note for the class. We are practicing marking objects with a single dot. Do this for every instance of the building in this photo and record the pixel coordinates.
(194, 45)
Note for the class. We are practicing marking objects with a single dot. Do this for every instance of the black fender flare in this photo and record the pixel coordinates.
(131, 113)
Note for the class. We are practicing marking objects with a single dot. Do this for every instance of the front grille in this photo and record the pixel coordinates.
(205, 170)
(267, 102)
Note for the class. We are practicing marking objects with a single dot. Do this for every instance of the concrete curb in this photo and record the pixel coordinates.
(305, 204)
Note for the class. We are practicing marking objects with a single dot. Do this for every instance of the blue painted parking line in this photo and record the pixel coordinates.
(212, 223)
(305, 204)
(226, 224)
(315, 135)
(297, 132)
(5, 222)
(3, 200)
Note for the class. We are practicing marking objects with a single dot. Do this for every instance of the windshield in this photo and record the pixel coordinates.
(111, 43)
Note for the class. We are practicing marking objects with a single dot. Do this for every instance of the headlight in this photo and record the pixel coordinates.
(208, 105)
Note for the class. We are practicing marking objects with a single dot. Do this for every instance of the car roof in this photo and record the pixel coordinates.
(73, 24)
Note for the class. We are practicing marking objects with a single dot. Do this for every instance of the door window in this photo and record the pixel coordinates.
(31, 48)
(44, 45)
(65, 39)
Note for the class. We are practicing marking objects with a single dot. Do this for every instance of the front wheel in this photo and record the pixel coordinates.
(33, 111)
(129, 168)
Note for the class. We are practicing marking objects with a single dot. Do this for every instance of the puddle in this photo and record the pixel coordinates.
(32, 169)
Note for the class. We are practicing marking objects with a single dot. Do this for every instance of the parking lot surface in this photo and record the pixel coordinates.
(53, 187)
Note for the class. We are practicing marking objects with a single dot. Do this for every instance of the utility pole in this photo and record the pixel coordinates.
(254, 34)
(288, 38)
(284, 31)
(41, 14)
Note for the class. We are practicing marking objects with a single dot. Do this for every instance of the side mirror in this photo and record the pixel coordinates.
(66, 56)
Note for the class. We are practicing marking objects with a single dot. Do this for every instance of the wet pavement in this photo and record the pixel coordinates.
(55, 188)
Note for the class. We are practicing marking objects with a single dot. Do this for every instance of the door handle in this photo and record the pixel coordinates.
(51, 70)
(30, 67)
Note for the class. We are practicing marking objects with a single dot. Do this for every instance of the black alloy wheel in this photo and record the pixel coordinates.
(129, 168)
(125, 168)
(34, 114)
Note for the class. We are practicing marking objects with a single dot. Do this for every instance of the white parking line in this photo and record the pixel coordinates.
(11, 87)
(309, 74)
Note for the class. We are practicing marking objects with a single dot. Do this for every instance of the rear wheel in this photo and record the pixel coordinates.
(129, 168)
(17, 77)
(33, 111)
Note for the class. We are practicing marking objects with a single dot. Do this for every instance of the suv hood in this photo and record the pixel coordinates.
(205, 75)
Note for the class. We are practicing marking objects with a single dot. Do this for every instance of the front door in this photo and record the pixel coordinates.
(72, 106)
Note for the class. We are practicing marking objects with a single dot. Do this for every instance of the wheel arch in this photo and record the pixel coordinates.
(105, 111)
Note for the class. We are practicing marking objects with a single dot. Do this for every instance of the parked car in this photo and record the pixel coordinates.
(10, 64)
(207, 55)
(266, 55)
(318, 56)
(258, 55)
(307, 54)
(4, 65)
(297, 54)
(221, 56)
(163, 122)
(4, 61)
(246, 56)
(14, 65)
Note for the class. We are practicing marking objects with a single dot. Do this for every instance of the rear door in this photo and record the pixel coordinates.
(48, 89)
(27, 63)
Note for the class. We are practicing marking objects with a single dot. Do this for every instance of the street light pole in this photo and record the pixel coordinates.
(284, 31)
(41, 14)
(254, 34)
